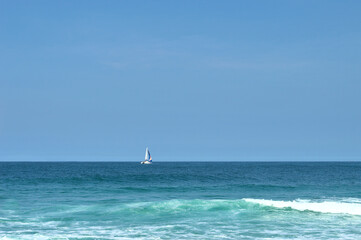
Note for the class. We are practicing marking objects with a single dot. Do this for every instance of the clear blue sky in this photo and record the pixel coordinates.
(193, 80)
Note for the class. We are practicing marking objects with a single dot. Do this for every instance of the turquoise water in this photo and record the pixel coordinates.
(180, 201)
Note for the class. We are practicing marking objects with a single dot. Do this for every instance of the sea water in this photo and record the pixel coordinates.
(193, 200)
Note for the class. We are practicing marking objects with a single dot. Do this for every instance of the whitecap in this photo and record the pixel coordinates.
(340, 207)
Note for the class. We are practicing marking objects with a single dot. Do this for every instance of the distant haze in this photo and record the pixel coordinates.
(191, 80)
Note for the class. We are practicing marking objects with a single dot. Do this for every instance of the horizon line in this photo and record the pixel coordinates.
(212, 161)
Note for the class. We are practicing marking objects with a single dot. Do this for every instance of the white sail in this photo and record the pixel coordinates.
(146, 154)
(148, 158)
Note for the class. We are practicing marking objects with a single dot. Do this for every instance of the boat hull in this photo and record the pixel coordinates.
(145, 162)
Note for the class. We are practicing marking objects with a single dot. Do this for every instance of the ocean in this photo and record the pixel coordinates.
(180, 200)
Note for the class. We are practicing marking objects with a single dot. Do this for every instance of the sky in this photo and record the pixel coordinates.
(192, 80)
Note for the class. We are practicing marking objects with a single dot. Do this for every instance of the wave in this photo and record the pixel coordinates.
(180, 207)
(177, 205)
(180, 219)
(345, 206)
(350, 206)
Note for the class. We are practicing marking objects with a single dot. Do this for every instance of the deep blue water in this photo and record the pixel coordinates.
(196, 200)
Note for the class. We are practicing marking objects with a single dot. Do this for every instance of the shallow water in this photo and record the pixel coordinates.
(180, 200)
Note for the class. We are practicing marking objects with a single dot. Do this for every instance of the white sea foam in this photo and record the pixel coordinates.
(340, 207)
(194, 219)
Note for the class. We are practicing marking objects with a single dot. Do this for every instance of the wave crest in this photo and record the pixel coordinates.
(339, 207)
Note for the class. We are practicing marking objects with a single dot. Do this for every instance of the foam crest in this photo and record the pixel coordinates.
(340, 207)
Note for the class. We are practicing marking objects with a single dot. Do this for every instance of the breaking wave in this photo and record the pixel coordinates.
(346, 206)
(201, 206)
(179, 206)
(343, 206)
(196, 219)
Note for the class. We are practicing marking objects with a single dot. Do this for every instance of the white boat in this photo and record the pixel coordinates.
(148, 158)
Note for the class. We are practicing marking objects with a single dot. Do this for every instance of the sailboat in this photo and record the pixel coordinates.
(148, 158)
